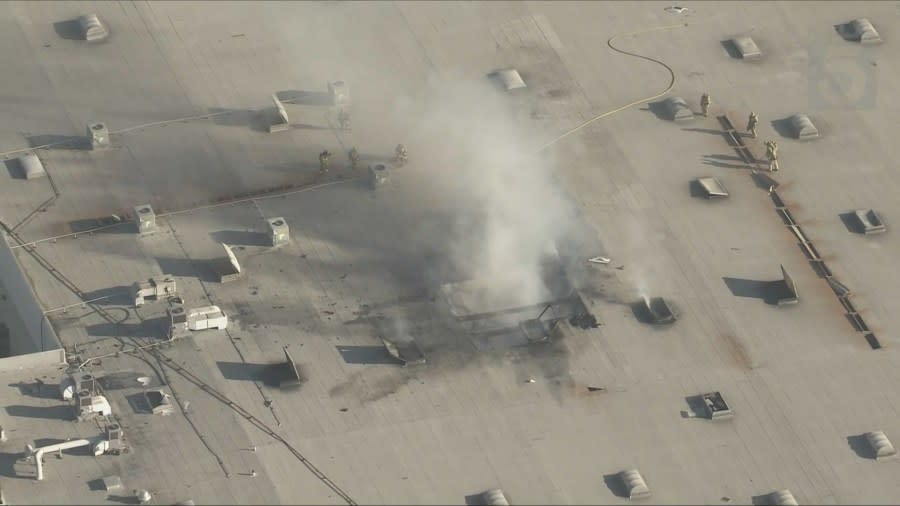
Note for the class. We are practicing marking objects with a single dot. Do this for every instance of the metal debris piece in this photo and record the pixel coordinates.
(599, 260)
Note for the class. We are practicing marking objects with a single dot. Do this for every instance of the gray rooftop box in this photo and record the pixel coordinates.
(746, 47)
(32, 168)
(803, 127)
(510, 79)
(785, 292)
(861, 30)
(712, 188)
(677, 109)
(91, 28)
(870, 221)
(405, 350)
(716, 407)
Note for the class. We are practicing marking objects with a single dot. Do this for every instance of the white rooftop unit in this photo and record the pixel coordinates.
(91, 28)
(207, 317)
(803, 127)
(677, 109)
(32, 168)
(783, 498)
(145, 219)
(746, 47)
(634, 483)
(98, 135)
(881, 445)
(862, 30)
(494, 497)
(279, 232)
(510, 79)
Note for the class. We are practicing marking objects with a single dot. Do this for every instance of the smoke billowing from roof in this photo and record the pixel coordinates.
(477, 162)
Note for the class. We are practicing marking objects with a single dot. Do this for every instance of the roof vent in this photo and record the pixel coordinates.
(634, 483)
(32, 168)
(494, 497)
(861, 30)
(510, 79)
(783, 498)
(881, 445)
(803, 127)
(677, 109)
(91, 28)
(746, 47)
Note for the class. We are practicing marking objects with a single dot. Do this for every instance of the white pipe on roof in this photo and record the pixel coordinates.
(38, 454)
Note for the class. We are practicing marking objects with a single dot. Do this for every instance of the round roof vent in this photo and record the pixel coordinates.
(278, 223)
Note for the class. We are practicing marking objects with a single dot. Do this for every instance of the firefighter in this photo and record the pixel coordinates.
(324, 158)
(354, 157)
(772, 155)
(705, 102)
(752, 122)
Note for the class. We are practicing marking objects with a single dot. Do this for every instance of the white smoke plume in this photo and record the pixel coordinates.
(479, 166)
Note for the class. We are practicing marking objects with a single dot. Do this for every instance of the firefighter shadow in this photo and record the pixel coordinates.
(258, 121)
(723, 161)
